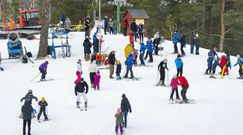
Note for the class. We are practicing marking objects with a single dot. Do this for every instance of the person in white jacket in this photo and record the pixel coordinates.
(92, 71)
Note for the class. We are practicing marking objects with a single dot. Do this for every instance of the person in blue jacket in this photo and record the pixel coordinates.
(179, 65)
(211, 55)
(129, 63)
(142, 52)
(240, 63)
(150, 50)
(175, 39)
(183, 44)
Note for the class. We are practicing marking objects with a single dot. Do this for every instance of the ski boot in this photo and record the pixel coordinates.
(158, 83)
(77, 105)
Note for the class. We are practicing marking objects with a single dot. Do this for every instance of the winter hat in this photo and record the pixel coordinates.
(30, 91)
(165, 60)
(46, 62)
(238, 56)
(82, 79)
(123, 96)
(98, 72)
(43, 99)
(118, 110)
(118, 61)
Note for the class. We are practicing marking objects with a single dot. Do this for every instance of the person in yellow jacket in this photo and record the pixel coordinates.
(128, 50)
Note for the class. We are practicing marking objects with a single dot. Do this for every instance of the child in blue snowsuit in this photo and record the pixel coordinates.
(142, 52)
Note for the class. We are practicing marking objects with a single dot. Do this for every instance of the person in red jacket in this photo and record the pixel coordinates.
(223, 62)
(184, 85)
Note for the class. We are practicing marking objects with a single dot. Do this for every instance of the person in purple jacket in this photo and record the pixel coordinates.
(174, 87)
(97, 80)
(43, 70)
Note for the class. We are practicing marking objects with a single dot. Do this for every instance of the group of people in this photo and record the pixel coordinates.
(65, 22)
(137, 30)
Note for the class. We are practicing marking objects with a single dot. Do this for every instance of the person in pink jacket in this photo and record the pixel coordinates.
(174, 87)
(97, 80)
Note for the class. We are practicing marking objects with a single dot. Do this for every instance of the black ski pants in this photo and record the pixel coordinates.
(172, 94)
(179, 71)
(42, 110)
(91, 76)
(162, 76)
(24, 125)
(183, 92)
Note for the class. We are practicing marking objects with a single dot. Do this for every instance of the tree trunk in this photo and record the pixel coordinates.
(221, 43)
(3, 9)
(44, 17)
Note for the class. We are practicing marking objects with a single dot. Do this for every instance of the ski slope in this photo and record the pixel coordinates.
(218, 109)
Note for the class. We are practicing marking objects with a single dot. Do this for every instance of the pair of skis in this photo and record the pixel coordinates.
(191, 101)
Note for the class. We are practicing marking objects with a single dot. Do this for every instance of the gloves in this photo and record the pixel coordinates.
(130, 111)
(86, 92)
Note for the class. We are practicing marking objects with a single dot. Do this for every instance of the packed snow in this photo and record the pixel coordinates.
(217, 111)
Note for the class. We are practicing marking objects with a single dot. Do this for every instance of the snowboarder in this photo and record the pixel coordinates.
(129, 64)
(87, 45)
(97, 80)
(92, 71)
(141, 32)
(134, 29)
(240, 63)
(118, 69)
(211, 55)
(125, 108)
(142, 52)
(150, 50)
(28, 97)
(111, 61)
(161, 68)
(78, 71)
(179, 65)
(184, 85)
(43, 70)
(175, 39)
(27, 116)
(174, 88)
(118, 116)
(43, 104)
(183, 44)
(81, 89)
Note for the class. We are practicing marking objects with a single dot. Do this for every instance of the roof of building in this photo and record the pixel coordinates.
(137, 13)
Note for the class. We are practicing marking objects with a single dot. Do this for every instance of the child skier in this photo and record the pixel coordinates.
(179, 65)
(43, 104)
(118, 116)
(210, 59)
(118, 69)
(81, 89)
(174, 87)
(129, 66)
(142, 52)
(97, 80)
(79, 71)
(43, 70)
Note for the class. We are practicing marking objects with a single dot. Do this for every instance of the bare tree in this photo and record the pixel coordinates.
(221, 43)
(44, 16)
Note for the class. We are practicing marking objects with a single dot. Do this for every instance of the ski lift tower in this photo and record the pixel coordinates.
(119, 4)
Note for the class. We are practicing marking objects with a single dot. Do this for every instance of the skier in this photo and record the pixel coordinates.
(174, 88)
(129, 65)
(68, 24)
(131, 39)
(92, 71)
(184, 85)
(28, 97)
(111, 61)
(118, 116)
(87, 45)
(175, 40)
(240, 63)
(161, 68)
(142, 52)
(106, 24)
(118, 69)
(211, 55)
(43, 104)
(141, 32)
(150, 50)
(95, 44)
(97, 80)
(179, 65)
(156, 42)
(43, 70)
(78, 71)
(128, 50)
(1, 68)
(223, 64)
(214, 66)
(134, 29)
(125, 108)
(27, 115)
(183, 44)
(81, 89)
(192, 42)
(197, 43)
(111, 26)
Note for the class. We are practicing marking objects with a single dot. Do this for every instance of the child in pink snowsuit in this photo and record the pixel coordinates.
(174, 86)
(97, 80)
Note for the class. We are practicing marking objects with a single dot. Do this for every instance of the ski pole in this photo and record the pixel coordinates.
(168, 77)
(35, 77)
(157, 78)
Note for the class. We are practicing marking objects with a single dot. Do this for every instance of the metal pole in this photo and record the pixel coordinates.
(99, 9)
(118, 17)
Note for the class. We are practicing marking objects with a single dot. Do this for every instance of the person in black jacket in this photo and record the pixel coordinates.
(161, 68)
(87, 45)
(111, 61)
(95, 46)
(28, 97)
(81, 89)
(27, 115)
(125, 107)
(43, 104)
(134, 29)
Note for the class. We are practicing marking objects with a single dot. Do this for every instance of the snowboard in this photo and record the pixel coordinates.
(191, 101)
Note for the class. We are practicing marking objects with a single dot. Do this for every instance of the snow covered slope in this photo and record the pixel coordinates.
(218, 109)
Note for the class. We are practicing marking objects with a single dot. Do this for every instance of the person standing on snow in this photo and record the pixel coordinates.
(118, 69)
(118, 116)
(81, 89)
(134, 29)
(179, 65)
(175, 39)
(161, 68)
(111, 23)
(78, 71)
(68, 24)
(197, 43)
(28, 97)
(87, 26)
(43, 104)
(43, 70)
(97, 80)
(95, 44)
(125, 108)
(129, 64)
(156, 42)
(92, 71)
(192, 42)
(106, 24)
(240, 63)
(211, 55)
(183, 44)
(174, 88)
(142, 52)
(87, 46)
(27, 110)
(111, 61)
(184, 85)
(150, 50)
(141, 32)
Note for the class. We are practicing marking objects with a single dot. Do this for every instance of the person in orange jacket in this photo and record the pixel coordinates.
(131, 39)
(184, 85)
